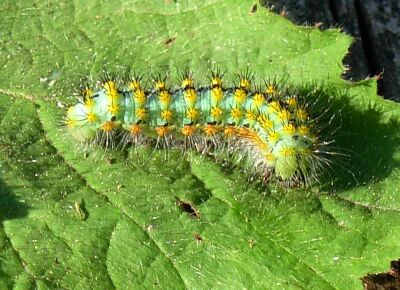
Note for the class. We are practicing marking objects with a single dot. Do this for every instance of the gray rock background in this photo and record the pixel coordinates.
(374, 23)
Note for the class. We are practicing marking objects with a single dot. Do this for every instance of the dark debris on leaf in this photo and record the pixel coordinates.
(187, 207)
(384, 281)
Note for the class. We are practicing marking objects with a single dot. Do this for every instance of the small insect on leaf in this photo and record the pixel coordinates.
(187, 207)
(80, 209)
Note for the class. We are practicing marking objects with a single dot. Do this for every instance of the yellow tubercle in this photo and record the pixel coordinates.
(165, 97)
(284, 115)
(250, 116)
(70, 123)
(274, 107)
(134, 85)
(217, 94)
(303, 129)
(190, 96)
(89, 103)
(141, 113)
(265, 122)
(236, 113)
(187, 83)
(289, 129)
(166, 115)
(87, 93)
(240, 95)
(301, 114)
(273, 137)
(113, 109)
(258, 100)
(160, 85)
(292, 102)
(113, 96)
(288, 151)
(245, 84)
(91, 117)
(111, 90)
(192, 114)
(110, 86)
(140, 97)
(271, 90)
(216, 81)
(216, 113)
(270, 157)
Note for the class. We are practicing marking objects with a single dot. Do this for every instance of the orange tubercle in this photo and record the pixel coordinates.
(188, 130)
(162, 131)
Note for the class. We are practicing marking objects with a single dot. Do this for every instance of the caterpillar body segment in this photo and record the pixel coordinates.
(269, 128)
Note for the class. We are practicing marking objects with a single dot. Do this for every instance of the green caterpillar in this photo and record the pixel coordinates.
(269, 128)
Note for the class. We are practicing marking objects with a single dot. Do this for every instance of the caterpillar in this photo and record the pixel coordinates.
(268, 128)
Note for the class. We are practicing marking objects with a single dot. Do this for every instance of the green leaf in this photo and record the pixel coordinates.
(99, 219)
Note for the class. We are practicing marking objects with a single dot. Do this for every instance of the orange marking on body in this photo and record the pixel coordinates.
(188, 130)
(253, 136)
(135, 129)
(107, 126)
(162, 131)
(230, 131)
(210, 130)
